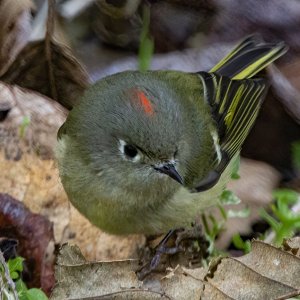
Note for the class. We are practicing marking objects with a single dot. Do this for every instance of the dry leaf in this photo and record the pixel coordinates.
(53, 72)
(292, 245)
(7, 102)
(265, 273)
(15, 26)
(32, 123)
(34, 234)
(78, 279)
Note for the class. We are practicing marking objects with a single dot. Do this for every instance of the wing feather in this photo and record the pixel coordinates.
(234, 107)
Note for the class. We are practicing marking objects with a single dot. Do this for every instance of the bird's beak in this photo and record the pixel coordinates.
(169, 169)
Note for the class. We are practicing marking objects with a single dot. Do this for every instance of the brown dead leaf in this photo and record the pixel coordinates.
(265, 273)
(53, 72)
(78, 279)
(15, 26)
(7, 102)
(292, 245)
(35, 236)
(32, 123)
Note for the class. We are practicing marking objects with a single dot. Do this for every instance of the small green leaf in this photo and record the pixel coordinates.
(223, 212)
(243, 213)
(237, 241)
(25, 123)
(21, 289)
(240, 244)
(236, 167)
(272, 222)
(205, 224)
(36, 294)
(15, 264)
(20, 286)
(228, 197)
(286, 195)
(14, 275)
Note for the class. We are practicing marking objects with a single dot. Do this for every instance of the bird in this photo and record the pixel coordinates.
(145, 152)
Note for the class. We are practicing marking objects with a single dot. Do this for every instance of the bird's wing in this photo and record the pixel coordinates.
(234, 98)
(234, 107)
(248, 58)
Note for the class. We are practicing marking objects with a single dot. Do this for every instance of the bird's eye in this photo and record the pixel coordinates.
(130, 151)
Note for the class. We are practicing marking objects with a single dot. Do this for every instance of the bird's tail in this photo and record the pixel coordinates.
(248, 58)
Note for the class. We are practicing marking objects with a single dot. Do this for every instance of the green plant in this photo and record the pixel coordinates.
(15, 267)
(284, 222)
(240, 244)
(23, 126)
(146, 43)
(213, 227)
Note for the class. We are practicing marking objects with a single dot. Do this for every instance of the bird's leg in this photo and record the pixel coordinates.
(162, 248)
(182, 241)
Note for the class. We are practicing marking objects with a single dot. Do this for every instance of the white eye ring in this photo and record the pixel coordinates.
(129, 152)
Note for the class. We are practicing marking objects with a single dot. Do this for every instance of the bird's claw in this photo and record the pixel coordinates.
(194, 233)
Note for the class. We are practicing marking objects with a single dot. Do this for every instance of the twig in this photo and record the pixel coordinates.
(7, 277)
(48, 48)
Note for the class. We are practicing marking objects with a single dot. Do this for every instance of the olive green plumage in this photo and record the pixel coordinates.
(145, 152)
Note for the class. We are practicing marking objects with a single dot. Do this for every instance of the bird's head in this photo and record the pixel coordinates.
(139, 134)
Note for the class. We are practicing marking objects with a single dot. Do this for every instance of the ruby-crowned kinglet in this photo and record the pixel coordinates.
(145, 152)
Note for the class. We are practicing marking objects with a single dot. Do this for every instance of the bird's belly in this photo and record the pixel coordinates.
(119, 212)
(132, 215)
(178, 211)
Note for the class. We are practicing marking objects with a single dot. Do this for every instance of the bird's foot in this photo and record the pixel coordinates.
(176, 241)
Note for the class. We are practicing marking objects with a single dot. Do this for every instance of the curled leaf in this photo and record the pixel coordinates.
(58, 76)
(15, 26)
(31, 125)
(35, 236)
